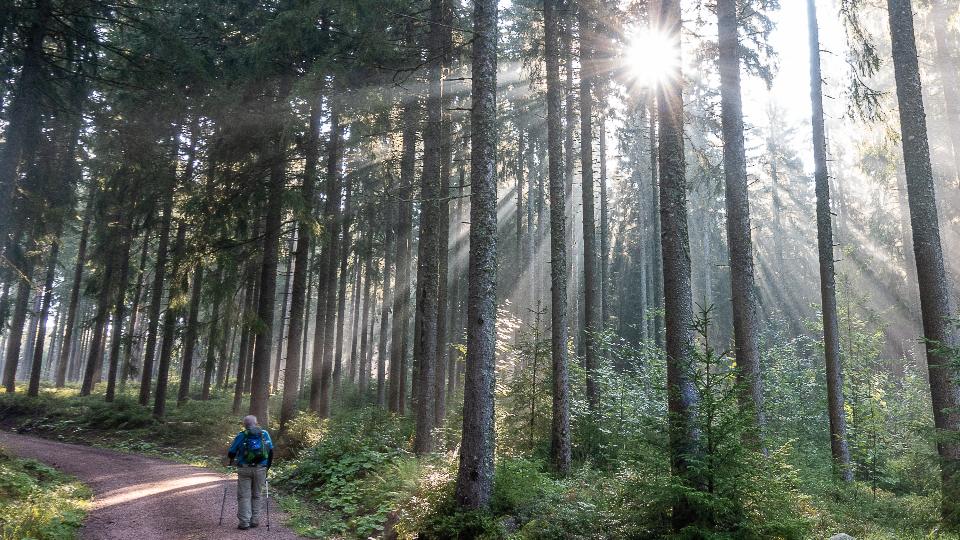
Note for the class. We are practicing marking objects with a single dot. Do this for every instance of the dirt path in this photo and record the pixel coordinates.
(146, 498)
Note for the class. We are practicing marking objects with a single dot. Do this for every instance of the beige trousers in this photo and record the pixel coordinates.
(250, 483)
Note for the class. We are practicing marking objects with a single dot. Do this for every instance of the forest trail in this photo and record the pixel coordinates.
(146, 498)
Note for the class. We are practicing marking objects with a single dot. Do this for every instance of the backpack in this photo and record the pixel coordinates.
(254, 448)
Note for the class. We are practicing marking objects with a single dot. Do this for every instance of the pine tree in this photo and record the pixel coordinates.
(475, 473)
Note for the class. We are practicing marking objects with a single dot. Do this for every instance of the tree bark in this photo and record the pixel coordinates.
(560, 427)
(346, 246)
(134, 312)
(70, 326)
(356, 297)
(246, 334)
(178, 286)
(746, 324)
(928, 252)
(118, 311)
(604, 226)
(260, 372)
(656, 255)
(95, 354)
(428, 264)
(401, 300)
(214, 338)
(475, 475)
(323, 347)
(828, 287)
(37, 360)
(363, 367)
(590, 297)
(389, 250)
(443, 228)
(682, 395)
(190, 336)
(159, 276)
(278, 356)
(298, 291)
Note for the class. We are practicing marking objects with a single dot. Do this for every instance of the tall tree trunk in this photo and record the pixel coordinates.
(178, 286)
(246, 334)
(190, 336)
(934, 289)
(456, 328)
(278, 356)
(260, 370)
(475, 474)
(364, 368)
(159, 276)
(746, 325)
(828, 287)
(95, 354)
(70, 326)
(428, 264)
(214, 338)
(656, 255)
(675, 245)
(326, 316)
(369, 332)
(134, 312)
(590, 297)
(560, 427)
(356, 297)
(401, 300)
(345, 247)
(118, 311)
(604, 225)
(299, 295)
(520, 303)
(26, 354)
(389, 251)
(37, 360)
(443, 228)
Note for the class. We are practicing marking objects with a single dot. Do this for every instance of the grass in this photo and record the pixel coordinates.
(39, 502)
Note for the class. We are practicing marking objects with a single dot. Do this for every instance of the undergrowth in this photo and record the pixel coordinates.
(39, 502)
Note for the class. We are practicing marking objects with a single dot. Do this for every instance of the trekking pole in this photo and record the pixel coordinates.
(223, 503)
(268, 504)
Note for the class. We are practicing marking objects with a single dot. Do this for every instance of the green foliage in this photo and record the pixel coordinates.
(355, 476)
(305, 430)
(39, 502)
(863, 512)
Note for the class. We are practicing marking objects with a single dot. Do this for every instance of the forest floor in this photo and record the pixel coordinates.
(143, 497)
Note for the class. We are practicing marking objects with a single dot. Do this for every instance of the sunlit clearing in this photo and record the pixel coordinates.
(650, 56)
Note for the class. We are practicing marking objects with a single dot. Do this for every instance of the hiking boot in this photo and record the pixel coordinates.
(254, 525)
(243, 527)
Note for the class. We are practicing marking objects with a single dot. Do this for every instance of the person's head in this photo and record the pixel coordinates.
(249, 421)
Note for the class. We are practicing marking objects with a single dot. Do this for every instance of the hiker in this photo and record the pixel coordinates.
(252, 449)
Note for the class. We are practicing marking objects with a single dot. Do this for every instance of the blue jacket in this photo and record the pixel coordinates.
(235, 449)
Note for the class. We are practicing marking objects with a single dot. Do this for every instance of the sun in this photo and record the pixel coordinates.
(650, 57)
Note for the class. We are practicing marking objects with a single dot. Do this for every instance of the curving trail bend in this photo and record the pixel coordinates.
(146, 498)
